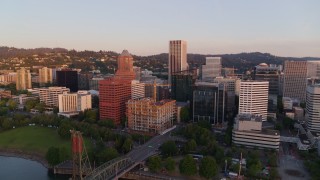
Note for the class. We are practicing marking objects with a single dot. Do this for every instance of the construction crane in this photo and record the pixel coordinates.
(155, 88)
(80, 160)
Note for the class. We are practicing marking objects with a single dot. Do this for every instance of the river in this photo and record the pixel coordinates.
(12, 168)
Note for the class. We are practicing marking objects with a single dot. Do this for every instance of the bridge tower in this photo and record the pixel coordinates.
(80, 161)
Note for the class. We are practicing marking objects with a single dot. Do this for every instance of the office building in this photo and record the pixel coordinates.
(137, 72)
(125, 66)
(313, 68)
(45, 76)
(147, 116)
(270, 73)
(50, 96)
(113, 95)
(287, 103)
(94, 83)
(83, 80)
(253, 98)
(67, 78)
(177, 57)
(73, 103)
(209, 101)
(313, 108)
(248, 132)
(23, 79)
(8, 78)
(212, 68)
(137, 90)
(181, 86)
(295, 80)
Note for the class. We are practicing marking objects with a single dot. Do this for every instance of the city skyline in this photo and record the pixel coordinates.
(286, 28)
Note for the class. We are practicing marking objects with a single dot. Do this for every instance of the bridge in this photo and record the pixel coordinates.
(117, 167)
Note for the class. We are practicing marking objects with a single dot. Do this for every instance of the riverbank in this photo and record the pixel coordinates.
(25, 155)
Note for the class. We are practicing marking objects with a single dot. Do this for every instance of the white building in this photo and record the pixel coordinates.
(313, 108)
(49, 96)
(248, 132)
(74, 102)
(137, 89)
(212, 68)
(45, 76)
(253, 98)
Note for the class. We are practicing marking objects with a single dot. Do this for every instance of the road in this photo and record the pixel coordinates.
(290, 167)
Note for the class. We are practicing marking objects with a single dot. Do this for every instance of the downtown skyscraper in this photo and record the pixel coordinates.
(177, 57)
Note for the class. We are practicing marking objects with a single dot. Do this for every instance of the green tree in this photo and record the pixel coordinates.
(107, 155)
(52, 156)
(6, 124)
(273, 160)
(154, 163)
(31, 103)
(169, 148)
(184, 114)
(191, 145)
(40, 107)
(107, 123)
(3, 102)
(188, 166)
(90, 115)
(12, 105)
(64, 130)
(208, 167)
(3, 111)
(170, 164)
(127, 145)
(63, 154)
(273, 174)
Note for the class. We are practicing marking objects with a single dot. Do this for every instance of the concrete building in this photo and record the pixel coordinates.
(113, 95)
(22, 98)
(247, 131)
(270, 73)
(313, 68)
(45, 76)
(137, 90)
(212, 68)
(209, 101)
(23, 79)
(313, 108)
(137, 72)
(298, 113)
(125, 66)
(177, 57)
(295, 80)
(287, 103)
(8, 78)
(83, 80)
(254, 98)
(49, 96)
(181, 86)
(147, 116)
(74, 102)
(67, 78)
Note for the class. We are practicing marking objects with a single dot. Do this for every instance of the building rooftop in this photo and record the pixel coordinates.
(264, 131)
(125, 53)
(304, 139)
(249, 117)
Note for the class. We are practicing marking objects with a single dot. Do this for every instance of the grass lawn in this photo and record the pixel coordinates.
(33, 139)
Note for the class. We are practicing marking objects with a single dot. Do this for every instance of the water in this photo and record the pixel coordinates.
(12, 168)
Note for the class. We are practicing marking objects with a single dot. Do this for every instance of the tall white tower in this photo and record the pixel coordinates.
(177, 57)
(313, 108)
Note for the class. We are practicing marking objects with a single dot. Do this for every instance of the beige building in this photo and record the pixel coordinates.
(23, 79)
(45, 76)
(248, 132)
(177, 57)
(150, 117)
(253, 98)
(295, 80)
(74, 102)
(313, 108)
(8, 78)
(137, 89)
(49, 96)
(212, 68)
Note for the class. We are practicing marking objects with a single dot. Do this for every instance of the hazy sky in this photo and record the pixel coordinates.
(144, 27)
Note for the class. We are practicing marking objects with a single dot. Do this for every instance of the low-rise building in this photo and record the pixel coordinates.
(74, 102)
(287, 103)
(147, 116)
(248, 132)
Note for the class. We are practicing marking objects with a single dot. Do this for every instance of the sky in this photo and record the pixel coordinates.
(288, 28)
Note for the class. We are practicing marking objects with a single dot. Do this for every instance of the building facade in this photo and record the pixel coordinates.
(146, 115)
(74, 102)
(113, 95)
(177, 57)
(248, 132)
(23, 79)
(253, 98)
(8, 78)
(45, 76)
(295, 80)
(125, 66)
(181, 86)
(313, 108)
(50, 96)
(137, 90)
(67, 78)
(209, 101)
(94, 83)
(270, 73)
(212, 68)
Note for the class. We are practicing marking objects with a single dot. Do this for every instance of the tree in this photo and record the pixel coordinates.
(273, 160)
(191, 145)
(90, 115)
(30, 103)
(63, 154)
(204, 124)
(64, 130)
(52, 156)
(12, 105)
(274, 173)
(40, 107)
(188, 166)
(184, 114)
(107, 123)
(154, 163)
(170, 164)
(107, 155)
(169, 148)
(208, 167)
(127, 145)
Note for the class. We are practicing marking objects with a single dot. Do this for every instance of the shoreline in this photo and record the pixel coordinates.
(25, 155)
